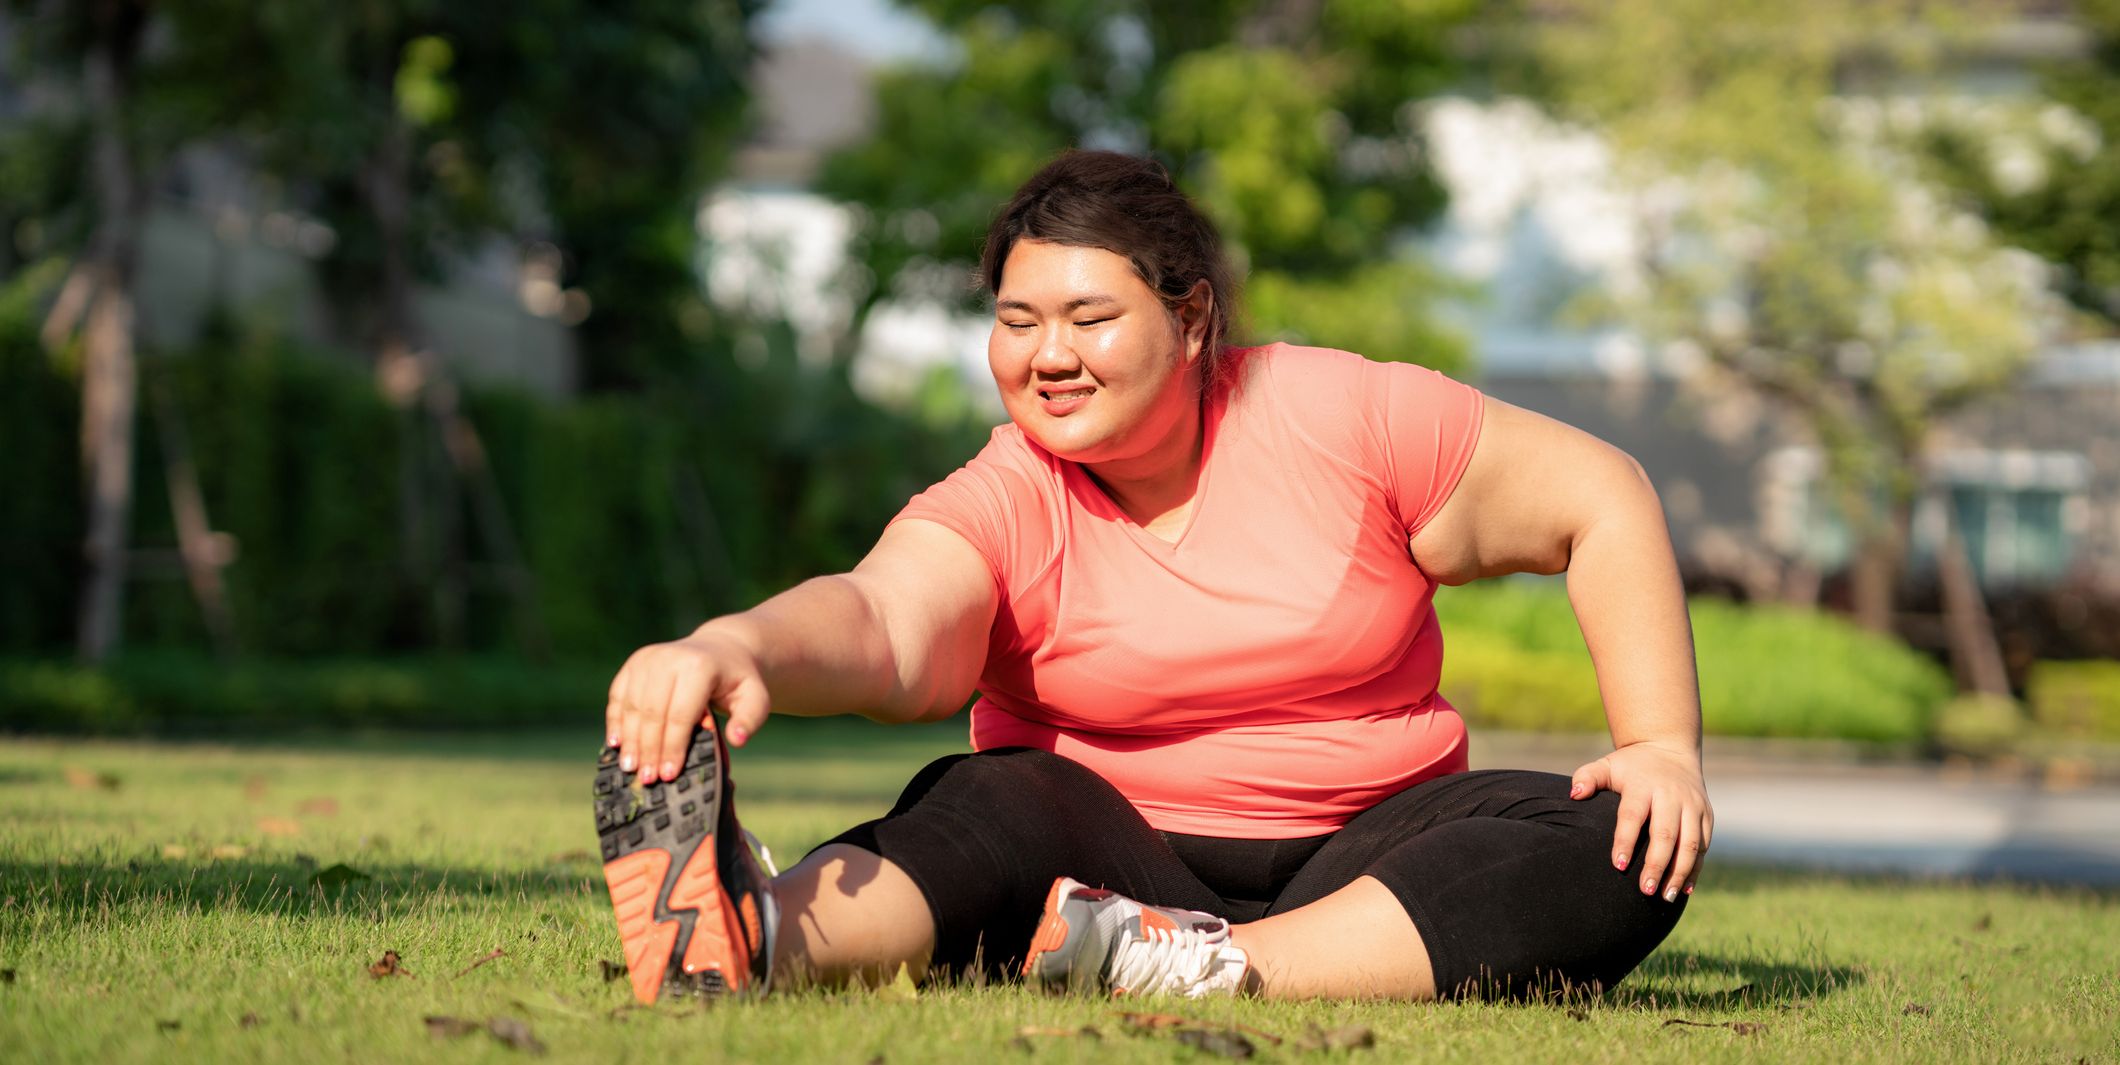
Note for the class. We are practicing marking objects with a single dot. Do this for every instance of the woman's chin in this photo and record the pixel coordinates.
(1075, 443)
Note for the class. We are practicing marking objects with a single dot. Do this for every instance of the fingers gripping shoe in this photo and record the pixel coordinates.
(1095, 939)
(695, 910)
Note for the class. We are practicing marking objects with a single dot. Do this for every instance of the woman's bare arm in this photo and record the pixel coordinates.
(1542, 497)
(901, 638)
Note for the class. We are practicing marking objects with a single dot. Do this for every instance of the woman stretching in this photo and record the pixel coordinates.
(1193, 587)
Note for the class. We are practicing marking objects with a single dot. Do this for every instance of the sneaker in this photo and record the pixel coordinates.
(1096, 939)
(695, 910)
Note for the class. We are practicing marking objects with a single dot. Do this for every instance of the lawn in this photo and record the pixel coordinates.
(163, 902)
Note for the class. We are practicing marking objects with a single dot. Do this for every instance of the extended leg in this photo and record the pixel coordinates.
(847, 913)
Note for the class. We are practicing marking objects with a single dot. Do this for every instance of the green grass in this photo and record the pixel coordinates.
(131, 941)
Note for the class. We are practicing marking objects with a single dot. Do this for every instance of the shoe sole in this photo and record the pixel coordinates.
(680, 931)
(1051, 936)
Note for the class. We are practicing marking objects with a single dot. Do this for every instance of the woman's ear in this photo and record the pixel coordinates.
(1194, 313)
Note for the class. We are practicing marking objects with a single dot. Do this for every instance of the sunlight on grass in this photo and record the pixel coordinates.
(158, 901)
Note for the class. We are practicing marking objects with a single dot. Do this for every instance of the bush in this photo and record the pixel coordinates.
(1982, 726)
(637, 516)
(184, 693)
(1764, 671)
(2077, 699)
(1497, 683)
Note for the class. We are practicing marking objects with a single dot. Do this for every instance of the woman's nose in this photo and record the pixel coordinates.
(1054, 354)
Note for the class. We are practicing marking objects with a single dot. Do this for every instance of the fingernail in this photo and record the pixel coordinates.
(1648, 886)
(1619, 862)
(669, 771)
(1671, 893)
(625, 762)
(1689, 889)
(737, 735)
(611, 740)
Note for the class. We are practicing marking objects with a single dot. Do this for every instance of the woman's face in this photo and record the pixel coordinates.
(1090, 362)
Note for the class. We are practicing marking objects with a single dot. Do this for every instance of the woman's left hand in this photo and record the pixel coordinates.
(1661, 786)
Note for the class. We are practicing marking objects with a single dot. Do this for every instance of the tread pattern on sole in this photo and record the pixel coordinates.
(646, 832)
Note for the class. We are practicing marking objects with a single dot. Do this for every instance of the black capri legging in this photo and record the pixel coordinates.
(1508, 880)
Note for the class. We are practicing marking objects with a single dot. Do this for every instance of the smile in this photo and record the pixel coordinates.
(1060, 396)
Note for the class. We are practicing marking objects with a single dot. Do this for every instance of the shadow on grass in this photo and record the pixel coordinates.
(86, 890)
(1691, 980)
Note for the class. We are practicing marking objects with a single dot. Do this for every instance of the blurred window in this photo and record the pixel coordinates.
(2020, 513)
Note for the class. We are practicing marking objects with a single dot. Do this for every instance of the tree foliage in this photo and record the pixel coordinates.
(2047, 176)
(1290, 122)
(1789, 241)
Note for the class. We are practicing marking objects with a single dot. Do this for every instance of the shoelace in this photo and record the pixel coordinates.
(1157, 960)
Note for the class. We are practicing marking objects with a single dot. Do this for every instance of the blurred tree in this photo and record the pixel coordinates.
(102, 145)
(1796, 256)
(418, 130)
(1288, 119)
(2050, 180)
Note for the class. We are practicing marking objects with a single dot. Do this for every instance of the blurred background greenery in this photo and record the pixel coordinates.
(405, 364)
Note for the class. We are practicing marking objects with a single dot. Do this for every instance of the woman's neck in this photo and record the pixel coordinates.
(1156, 489)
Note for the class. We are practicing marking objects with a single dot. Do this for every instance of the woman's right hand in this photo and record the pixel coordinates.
(665, 689)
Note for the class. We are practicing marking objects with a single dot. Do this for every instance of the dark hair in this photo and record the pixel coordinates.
(1128, 206)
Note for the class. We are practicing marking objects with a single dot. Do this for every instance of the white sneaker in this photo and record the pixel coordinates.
(1093, 938)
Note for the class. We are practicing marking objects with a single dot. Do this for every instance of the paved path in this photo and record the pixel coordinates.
(1921, 820)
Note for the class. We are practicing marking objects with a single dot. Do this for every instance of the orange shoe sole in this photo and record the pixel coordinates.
(662, 862)
(1052, 928)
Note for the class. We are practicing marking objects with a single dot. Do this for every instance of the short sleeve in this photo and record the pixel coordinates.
(996, 502)
(1428, 424)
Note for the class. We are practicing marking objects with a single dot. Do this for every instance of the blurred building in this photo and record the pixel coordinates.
(2032, 477)
(214, 239)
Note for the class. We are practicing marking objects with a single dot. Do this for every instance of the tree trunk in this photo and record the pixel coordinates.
(1976, 656)
(110, 376)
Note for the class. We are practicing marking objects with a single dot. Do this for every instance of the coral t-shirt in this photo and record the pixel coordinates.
(1271, 673)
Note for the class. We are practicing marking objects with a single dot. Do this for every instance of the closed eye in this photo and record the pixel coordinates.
(1020, 326)
(1086, 323)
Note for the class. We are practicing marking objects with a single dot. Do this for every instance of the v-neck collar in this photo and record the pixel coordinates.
(1101, 501)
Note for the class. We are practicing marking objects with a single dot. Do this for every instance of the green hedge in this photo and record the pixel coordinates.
(2077, 699)
(639, 515)
(1514, 658)
(185, 693)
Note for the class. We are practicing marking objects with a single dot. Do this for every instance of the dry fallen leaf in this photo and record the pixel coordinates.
(901, 988)
(1153, 1021)
(1216, 1041)
(388, 965)
(87, 779)
(229, 851)
(1349, 1037)
(489, 956)
(279, 826)
(175, 852)
(515, 1034)
(1740, 1027)
(1085, 1032)
(450, 1027)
